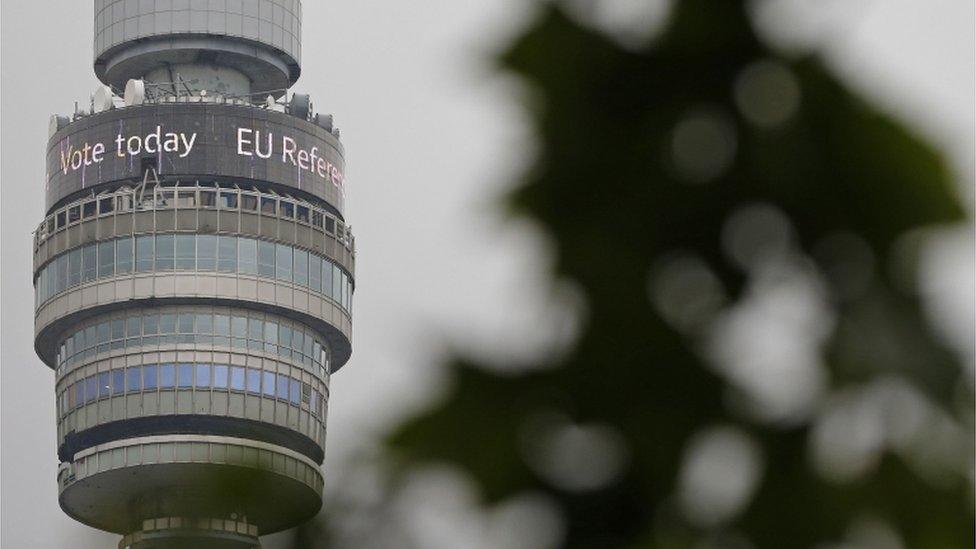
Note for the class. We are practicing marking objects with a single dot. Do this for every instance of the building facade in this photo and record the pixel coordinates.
(193, 277)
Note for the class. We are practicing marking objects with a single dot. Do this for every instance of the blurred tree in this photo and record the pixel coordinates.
(753, 366)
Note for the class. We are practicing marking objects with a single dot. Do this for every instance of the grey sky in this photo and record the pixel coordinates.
(432, 137)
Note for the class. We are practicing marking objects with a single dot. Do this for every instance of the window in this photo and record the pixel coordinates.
(167, 376)
(330, 225)
(79, 393)
(228, 200)
(185, 252)
(186, 199)
(185, 376)
(144, 254)
(294, 391)
(149, 377)
(89, 209)
(167, 324)
(247, 252)
(206, 252)
(164, 252)
(317, 218)
(123, 256)
(283, 387)
(327, 277)
(302, 213)
(106, 259)
(315, 273)
(208, 199)
(133, 378)
(61, 219)
(204, 324)
(74, 214)
(150, 324)
(284, 337)
(89, 263)
(287, 209)
(301, 267)
(253, 381)
(255, 334)
(227, 254)
(203, 376)
(220, 376)
(239, 326)
(270, 337)
(268, 384)
(106, 205)
(133, 326)
(123, 203)
(118, 381)
(91, 389)
(266, 259)
(237, 378)
(283, 262)
(74, 268)
(104, 385)
(336, 283)
(249, 202)
(222, 325)
(269, 205)
(184, 323)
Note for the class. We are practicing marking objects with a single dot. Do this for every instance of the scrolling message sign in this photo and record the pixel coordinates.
(195, 142)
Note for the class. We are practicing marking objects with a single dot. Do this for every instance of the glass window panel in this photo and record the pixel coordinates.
(133, 378)
(150, 324)
(104, 334)
(284, 338)
(228, 200)
(167, 324)
(268, 384)
(106, 205)
(282, 392)
(239, 326)
(91, 389)
(74, 214)
(203, 376)
(106, 259)
(79, 393)
(301, 267)
(104, 385)
(247, 249)
(314, 403)
(144, 254)
(269, 205)
(185, 375)
(167, 376)
(315, 273)
(118, 381)
(266, 259)
(62, 263)
(123, 255)
(222, 325)
(208, 199)
(89, 269)
(249, 202)
(186, 252)
(164, 252)
(253, 380)
(302, 213)
(294, 391)
(149, 380)
(237, 378)
(327, 277)
(220, 376)
(271, 332)
(317, 218)
(330, 225)
(184, 323)
(283, 262)
(297, 341)
(88, 209)
(227, 254)
(74, 268)
(133, 326)
(336, 283)
(306, 392)
(287, 209)
(206, 252)
(204, 324)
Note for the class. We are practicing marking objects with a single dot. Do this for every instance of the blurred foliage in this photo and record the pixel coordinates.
(648, 154)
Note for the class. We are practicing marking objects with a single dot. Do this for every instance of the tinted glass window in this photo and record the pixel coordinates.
(106, 259)
(269, 383)
(133, 378)
(282, 387)
(167, 376)
(144, 253)
(266, 259)
(283, 262)
(237, 378)
(118, 381)
(220, 376)
(227, 254)
(249, 202)
(228, 200)
(186, 252)
(206, 252)
(222, 325)
(123, 253)
(253, 380)
(104, 385)
(247, 250)
(164, 252)
(89, 263)
(203, 375)
(149, 380)
(315, 273)
(91, 389)
(74, 267)
(301, 267)
(185, 375)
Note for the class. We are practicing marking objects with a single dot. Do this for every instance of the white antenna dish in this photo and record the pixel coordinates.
(135, 92)
(102, 100)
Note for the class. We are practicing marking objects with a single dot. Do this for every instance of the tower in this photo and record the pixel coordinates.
(193, 277)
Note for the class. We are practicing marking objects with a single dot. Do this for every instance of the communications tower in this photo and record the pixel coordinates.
(193, 277)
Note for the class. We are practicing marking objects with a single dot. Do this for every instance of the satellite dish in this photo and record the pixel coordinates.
(300, 105)
(269, 102)
(324, 121)
(135, 92)
(56, 122)
(102, 100)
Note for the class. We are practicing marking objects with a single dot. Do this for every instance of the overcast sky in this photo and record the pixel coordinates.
(432, 137)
